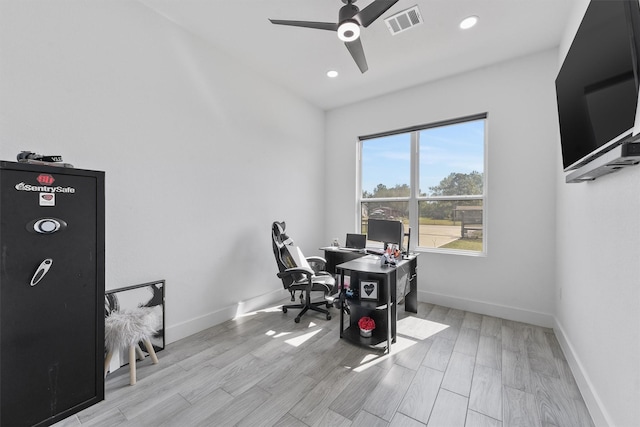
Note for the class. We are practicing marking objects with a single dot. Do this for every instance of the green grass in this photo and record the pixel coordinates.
(465, 245)
(431, 221)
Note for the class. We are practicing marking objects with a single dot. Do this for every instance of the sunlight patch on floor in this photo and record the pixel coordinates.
(372, 359)
(301, 339)
(240, 312)
(418, 328)
(274, 334)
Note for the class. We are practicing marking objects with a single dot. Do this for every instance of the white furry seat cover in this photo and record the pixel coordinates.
(123, 329)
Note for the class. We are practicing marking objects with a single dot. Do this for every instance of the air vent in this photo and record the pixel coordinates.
(404, 20)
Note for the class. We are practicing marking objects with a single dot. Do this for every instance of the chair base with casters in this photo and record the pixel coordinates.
(306, 304)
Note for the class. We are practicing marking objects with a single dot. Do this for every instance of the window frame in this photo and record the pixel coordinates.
(414, 197)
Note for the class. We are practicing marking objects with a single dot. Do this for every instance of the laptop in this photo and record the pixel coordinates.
(356, 241)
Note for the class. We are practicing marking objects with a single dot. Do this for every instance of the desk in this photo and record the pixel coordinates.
(380, 303)
(336, 256)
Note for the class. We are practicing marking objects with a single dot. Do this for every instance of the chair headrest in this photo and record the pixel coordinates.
(279, 235)
(278, 227)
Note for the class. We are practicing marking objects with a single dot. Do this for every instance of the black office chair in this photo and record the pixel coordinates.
(300, 274)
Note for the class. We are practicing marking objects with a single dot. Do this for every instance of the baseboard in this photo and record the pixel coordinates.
(482, 307)
(189, 327)
(591, 399)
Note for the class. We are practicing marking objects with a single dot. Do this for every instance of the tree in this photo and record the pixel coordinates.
(381, 190)
(394, 210)
(456, 184)
(459, 184)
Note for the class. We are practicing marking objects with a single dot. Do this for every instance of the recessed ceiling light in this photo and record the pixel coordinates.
(468, 22)
(332, 73)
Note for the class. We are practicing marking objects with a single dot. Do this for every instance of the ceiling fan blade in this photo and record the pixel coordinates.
(356, 51)
(307, 24)
(372, 12)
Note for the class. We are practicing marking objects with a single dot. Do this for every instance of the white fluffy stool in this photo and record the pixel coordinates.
(124, 330)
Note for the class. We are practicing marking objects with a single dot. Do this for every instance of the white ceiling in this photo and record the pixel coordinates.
(298, 58)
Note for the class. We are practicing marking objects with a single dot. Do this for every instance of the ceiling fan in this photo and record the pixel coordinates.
(350, 19)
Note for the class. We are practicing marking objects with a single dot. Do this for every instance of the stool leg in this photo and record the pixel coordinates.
(139, 352)
(107, 361)
(132, 365)
(151, 351)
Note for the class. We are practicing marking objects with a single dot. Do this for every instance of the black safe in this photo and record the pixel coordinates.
(52, 262)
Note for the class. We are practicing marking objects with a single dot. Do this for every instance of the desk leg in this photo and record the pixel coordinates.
(342, 300)
(390, 300)
(411, 299)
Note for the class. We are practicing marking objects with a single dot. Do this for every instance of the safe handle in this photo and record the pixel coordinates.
(42, 269)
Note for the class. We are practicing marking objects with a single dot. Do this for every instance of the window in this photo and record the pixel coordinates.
(432, 179)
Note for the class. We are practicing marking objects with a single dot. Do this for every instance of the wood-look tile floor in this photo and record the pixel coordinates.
(448, 368)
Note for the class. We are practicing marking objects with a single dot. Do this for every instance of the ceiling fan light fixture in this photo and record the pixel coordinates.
(349, 30)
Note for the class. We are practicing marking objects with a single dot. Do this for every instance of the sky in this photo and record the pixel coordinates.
(443, 150)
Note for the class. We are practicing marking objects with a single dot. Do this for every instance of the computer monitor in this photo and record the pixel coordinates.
(386, 231)
(356, 241)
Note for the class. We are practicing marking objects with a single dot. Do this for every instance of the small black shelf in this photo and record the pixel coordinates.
(368, 305)
(382, 309)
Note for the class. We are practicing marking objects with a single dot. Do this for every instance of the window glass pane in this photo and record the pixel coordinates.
(398, 211)
(452, 159)
(451, 224)
(386, 166)
(446, 212)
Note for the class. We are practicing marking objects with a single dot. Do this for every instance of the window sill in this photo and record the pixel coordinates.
(451, 252)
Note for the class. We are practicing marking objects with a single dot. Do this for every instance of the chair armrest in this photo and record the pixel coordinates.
(316, 263)
(296, 270)
(323, 273)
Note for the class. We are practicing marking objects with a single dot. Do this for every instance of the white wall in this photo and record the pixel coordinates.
(516, 279)
(598, 279)
(199, 152)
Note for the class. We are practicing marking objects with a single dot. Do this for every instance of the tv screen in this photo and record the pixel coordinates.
(597, 86)
(385, 231)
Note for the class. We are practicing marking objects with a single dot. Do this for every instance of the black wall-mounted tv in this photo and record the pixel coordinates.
(597, 85)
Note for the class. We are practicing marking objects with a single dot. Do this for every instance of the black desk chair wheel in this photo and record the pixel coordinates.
(300, 274)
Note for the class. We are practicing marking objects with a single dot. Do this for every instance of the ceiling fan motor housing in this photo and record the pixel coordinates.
(347, 11)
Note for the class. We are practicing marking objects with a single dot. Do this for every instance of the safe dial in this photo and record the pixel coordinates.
(46, 225)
